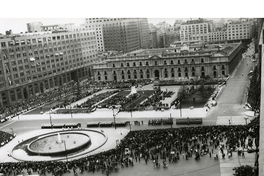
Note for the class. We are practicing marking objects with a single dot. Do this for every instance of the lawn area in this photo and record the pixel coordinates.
(123, 93)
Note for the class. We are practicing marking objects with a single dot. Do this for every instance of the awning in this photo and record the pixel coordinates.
(61, 53)
(56, 54)
(32, 59)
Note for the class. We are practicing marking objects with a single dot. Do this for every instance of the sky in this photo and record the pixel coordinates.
(16, 13)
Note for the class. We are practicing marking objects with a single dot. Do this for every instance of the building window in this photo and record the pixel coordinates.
(215, 74)
(179, 74)
(147, 63)
(179, 62)
(202, 60)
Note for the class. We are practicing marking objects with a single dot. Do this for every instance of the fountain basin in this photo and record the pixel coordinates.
(49, 145)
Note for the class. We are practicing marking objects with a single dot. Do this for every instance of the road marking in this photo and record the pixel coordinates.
(7, 124)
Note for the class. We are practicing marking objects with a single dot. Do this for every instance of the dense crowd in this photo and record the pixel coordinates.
(155, 100)
(5, 137)
(121, 100)
(67, 93)
(37, 100)
(122, 84)
(191, 81)
(157, 145)
(96, 99)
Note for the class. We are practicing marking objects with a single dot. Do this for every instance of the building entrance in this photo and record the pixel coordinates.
(25, 93)
(156, 73)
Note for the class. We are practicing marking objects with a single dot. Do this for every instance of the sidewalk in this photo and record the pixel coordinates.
(108, 113)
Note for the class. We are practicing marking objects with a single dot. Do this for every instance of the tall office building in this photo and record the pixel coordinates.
(119, 34)
(33, 63)
(143, 33)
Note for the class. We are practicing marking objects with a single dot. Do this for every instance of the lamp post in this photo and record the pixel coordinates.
(71, 111)
(114, 115)
(50, 118)
(246, 118)
(12, 131)
(130, 107)
(180, 109)
(65, 150)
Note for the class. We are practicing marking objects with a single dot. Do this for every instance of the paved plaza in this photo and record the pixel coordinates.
(229, 110)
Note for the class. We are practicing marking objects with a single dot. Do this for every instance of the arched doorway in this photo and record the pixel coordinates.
(25, 93)
(41, 88)
(156, 73)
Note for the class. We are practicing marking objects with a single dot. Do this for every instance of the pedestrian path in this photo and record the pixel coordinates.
(231, 120)
(108, 113)
(227, 164)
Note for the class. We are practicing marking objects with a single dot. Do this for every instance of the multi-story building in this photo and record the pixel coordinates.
(217, 36)
(143, 33)
(175, 63)
(195, 30)
(239, 30)
(153, 41)
(33, 63)
(120, 34)
(165, 38)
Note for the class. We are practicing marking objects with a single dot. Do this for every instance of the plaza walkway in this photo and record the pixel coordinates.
(229, 109)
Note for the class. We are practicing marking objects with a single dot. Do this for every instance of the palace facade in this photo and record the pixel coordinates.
(175, 63)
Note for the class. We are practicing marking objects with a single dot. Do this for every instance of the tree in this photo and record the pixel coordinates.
(78, 91)
(254, 90)
(245, 171)
(182, 93)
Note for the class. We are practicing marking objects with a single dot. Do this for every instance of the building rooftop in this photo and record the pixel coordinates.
(199, 20)
(180, 51)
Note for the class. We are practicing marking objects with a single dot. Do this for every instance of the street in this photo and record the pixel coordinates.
(230, 103)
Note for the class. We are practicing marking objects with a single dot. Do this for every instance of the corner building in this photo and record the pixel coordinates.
(173, 63)
(34, 63)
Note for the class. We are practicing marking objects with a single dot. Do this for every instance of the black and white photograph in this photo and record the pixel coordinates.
(126, 88)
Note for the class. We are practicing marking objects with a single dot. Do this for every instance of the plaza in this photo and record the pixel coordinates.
(27, 125)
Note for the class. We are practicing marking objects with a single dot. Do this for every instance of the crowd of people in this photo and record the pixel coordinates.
(122, 84)
(96, 99)
(5, 138)
(168, 121)
(157, 145)
(123, 101)
(155, 100)
(191, 81)
(34, 101)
